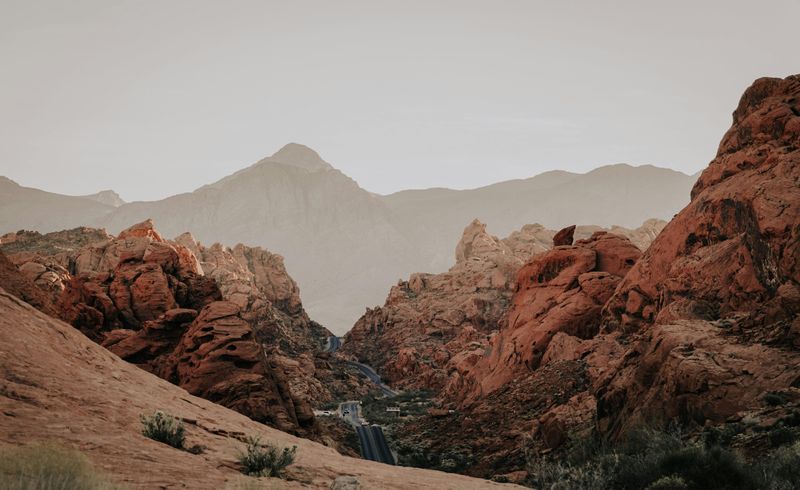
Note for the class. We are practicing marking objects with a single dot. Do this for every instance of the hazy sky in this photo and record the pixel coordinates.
(152, 98)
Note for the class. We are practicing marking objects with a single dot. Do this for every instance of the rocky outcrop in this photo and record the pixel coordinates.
(701, 327)
(21, 285)
(560, 291)
(127, 281)
(714, 302)
(432, 320)
(564, 236)
(256, 280)
(152, 302)
(435, 328)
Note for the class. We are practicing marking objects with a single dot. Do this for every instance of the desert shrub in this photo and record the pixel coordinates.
(774, 399)
(780, 436)
(779, 470)
(455, 459)
(48, 467)
(165, 428)
(264, 459)
(590, 475)
(722, 435)
(791, 420)
(649, 459)
(668, 483)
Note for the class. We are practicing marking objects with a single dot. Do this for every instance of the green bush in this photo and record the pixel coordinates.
(48, 467)
(649, 459)
(164, 428)
(264, 459)
(774, 399)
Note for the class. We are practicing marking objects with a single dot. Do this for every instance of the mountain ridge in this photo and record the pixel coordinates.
(346, 245)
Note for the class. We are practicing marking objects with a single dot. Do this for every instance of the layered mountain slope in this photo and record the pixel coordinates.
(58, 386)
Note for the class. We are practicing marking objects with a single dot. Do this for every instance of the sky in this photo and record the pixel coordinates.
(153, 98)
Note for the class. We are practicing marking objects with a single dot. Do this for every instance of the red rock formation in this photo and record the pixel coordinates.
(127, 281)
(718, 293)
(560, 291)
(564, 237)
(696, 331)
(432, 320)
(149, 301)
(435, 328)
(20, 285)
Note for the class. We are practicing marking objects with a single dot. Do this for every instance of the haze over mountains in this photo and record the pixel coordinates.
(344, 245)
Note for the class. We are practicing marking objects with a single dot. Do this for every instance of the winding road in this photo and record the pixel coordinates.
(371, 438)
(333, 344)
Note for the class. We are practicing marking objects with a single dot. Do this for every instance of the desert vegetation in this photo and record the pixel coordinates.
(165, 428)
(44, 466)
(260, 459)
(660, 460)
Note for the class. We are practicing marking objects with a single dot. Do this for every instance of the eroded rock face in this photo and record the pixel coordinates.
(564, 236)
(130, 280)
(151, 302)
(20, 285)
(433, 320)
(256, 280)
(435, 328)
(713, 301)
(560, 291)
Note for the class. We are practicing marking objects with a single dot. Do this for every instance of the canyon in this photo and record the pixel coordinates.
(526, 346)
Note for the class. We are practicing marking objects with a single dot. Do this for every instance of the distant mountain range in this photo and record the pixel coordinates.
(344, 245)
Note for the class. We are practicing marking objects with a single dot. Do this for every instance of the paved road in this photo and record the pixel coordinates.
(370, 437)
(373, 444)
(374, 377)
(353, 415)
(333, 344)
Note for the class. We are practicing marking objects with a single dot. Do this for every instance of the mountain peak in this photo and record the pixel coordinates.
(108, 197)
(299, 156)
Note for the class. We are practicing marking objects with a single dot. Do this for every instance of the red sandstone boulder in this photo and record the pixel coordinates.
(564, 236)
